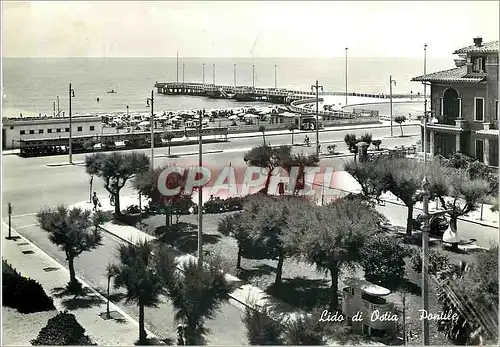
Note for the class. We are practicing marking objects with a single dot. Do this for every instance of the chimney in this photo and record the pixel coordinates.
(478, 41)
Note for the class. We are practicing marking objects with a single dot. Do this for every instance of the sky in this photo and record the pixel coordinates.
(244, 28)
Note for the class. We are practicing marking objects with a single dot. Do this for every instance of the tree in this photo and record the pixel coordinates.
(269, 158)
(377, 144)
(384, 261)
(196, 294)
(261, 328)
(136, 273)
(116, 169)
(268, 225)
(369, 176)
(110, 273)
(462, 197)
(341, 228)
(366, 137)
(400, 120)
(262, 129)
(233, 225)
(168, 136)
(301, 162)
(292, 127)
(146, 183)
(351, 141)
(71, 231)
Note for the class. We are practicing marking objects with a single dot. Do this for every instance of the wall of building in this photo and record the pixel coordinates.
(40, 129)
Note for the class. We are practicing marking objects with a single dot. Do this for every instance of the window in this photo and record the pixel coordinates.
(92, 128)
(58, 130)
(32, 132)
(480, 150)
(66, 130)
(479, 64)
(479, 109)
(22, 132)
(40, 131)
(49, 131)
(496, 110)
(79, 128)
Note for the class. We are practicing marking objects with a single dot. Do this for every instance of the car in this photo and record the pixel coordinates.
(438, 225)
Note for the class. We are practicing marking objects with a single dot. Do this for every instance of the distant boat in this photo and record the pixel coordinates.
(112, 91)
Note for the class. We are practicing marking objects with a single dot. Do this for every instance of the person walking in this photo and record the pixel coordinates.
(95, 201)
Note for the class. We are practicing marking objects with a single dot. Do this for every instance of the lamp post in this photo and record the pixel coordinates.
(346, 76)
(253, 76)
(234, 77)
(425, 229)
(203, 72)
(275, 76)
(9, 210)
(317, 88)
(183, 68)
(200, 195)
(177, 67)
(71, 94)
(150, 102)
(127, 110)
(213, 73)
(391, 81)
(58, 109)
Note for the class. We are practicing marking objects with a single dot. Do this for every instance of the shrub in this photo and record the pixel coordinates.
(437, 261)
(305, 331)
(261, 329)
(331, 149)
(377, 144)
(62, 330)
(24, 294)
(366, 137)
(218, 205)
(384, 261)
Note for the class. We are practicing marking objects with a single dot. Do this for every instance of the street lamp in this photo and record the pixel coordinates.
(203, 73)
(275, 76)
(200, 194)
(391, 81)
(346, 76)
(177, 67)
(253, 76)
(317, 88)
(183, 68)
(234, 77)
(150, 103)
(213, 72)
(71, 94)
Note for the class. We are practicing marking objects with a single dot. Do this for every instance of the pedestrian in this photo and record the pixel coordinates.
(96, 202)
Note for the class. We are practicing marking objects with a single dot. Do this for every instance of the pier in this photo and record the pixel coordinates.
(245, 93)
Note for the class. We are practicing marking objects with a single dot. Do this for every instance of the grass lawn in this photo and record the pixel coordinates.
(18, 329)
(303, 286)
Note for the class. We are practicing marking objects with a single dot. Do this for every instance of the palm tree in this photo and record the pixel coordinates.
(136, 273)
(168, 136)
(400, 120)
(292, 127)
(262, 129)
(196, 294)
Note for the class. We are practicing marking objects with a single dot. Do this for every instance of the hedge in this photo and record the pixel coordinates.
(62, 330)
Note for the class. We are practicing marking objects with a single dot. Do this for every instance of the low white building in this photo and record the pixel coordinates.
(32, 128)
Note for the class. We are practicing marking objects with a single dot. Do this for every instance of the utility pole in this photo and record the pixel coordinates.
(10, 220)
(213, 72)
(58, 109)
(346, 76)
(425, 229)
(317, 88)
(127, 110)
(71, 94)
(177, 65)
(183, 68)
(391, 81)
(200, 195)
(275, 76)
(203, 73)
(148, 100)
(253, 76)
(54, 107)
(234, 73)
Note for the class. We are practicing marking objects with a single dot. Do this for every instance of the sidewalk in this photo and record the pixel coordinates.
(39, 266)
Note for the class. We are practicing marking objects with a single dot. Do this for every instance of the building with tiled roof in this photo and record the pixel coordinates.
(464, 104)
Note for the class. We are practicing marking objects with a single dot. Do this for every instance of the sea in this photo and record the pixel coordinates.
(31, 86)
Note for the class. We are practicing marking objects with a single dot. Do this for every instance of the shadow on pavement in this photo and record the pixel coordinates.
(84, 299)
(184, 236)
(256, 271)
(302, 292)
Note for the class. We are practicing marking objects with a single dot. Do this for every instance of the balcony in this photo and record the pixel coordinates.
(437, 124)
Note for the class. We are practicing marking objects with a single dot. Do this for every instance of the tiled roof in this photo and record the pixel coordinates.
(458, 74)
(489, 47)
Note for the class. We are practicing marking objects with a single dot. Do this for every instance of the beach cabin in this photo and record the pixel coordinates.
(373, 314)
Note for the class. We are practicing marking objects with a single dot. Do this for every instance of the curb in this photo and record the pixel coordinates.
(186, 154)
(178, 268)
(85, 284)
(460, 218)
(65, 164)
